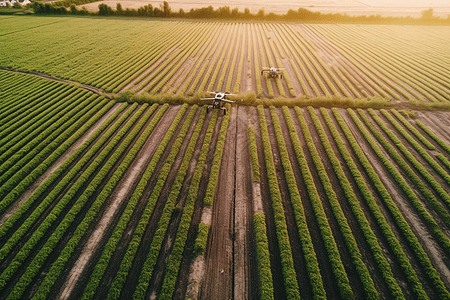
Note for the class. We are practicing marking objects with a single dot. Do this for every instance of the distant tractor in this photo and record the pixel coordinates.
(218, 101)
(273, 72)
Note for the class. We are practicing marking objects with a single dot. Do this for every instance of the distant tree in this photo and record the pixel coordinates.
(73, 9)
(291, 15)
(247, 13)
(261, 14)
(224, 12)
(104, 10)
(167, 11)
(182, 13)
(17, 5)
(427, 14)
(119, 9)
(235, 13)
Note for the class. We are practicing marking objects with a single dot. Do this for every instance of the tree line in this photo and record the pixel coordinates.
(225, 12)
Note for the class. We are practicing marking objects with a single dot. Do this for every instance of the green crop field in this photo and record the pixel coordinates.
(301, 197)
(185, 57)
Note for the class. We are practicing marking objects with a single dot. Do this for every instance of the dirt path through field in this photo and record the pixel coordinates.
(243, 211)
(15, 206)
(218, 278)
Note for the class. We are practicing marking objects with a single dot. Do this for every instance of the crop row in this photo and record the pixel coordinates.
(65, 254)
(284, 245)
(400, 221)
(297, 206)
(317, 57)
(111, 245)
(31, 154)
(402, 183)
(217, 160)
(174, 260)
(163, 224)
(58, 209)
(125, 139)
(419, 167)
(133, 246)
(364, 225)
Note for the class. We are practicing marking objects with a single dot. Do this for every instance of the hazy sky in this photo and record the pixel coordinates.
(406, 3)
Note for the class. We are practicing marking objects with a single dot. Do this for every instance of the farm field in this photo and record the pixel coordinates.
(171, 57)
(118, 200)
(138, 200)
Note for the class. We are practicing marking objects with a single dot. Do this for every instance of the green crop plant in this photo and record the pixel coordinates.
(419, 167)
(174, 261)
(263, 256)
(253, 153)
(309, 253)
(326, 233)
(345, 229)
(408, 125)
(399, 219)
(163, 224)
(402, 183)
(30, 172)
(32, 154)
(65, 254)
(217, 160)
(65, 223)
(12, 196)
(56, 268)
(109, 248)
(287, 263)
(201, 239)
(441, 143)
(364, 224)
(126, 263)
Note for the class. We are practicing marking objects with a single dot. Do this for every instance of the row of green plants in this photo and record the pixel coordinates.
(313, 71)
(412, 81)
(431, 134)
(33, 153)
(284, 245)
(82, 121)
(364, 225)
(309, 253)
(57, 210)
(55, 175)
(133, 246)
(15, 109)
(125, 137)
(417, 147)
(344, 227)
(253, 153)
(334, 256)
(394, 211)
(174, 260)
(217, 160)
(263, 257)
(411, 128)
(36, 214)
(121, 225)
(403, 184)
(171, 202)
(54, 106)
(419, 167)
(65, 254)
